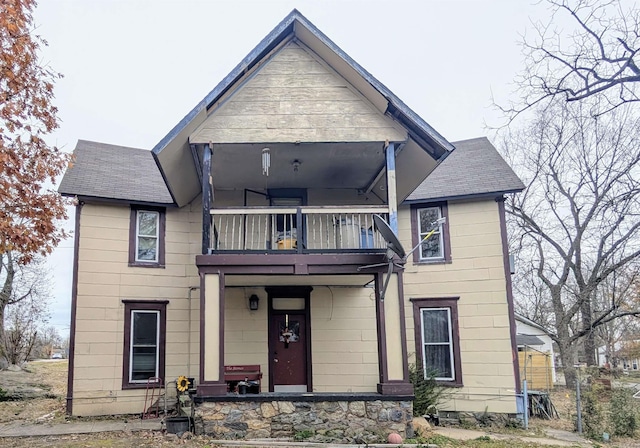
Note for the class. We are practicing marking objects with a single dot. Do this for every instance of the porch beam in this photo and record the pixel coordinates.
(207, 197)
(306, 210)
(392, 199)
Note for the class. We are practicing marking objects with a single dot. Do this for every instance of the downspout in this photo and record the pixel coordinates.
(191, 289)
(74, 307)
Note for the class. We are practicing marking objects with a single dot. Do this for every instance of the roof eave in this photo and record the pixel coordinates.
(531, 323)
(487, 195)
(117, 201)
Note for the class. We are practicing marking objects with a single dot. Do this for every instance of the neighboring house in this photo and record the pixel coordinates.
(246, 238)
(535, 340)
(625, 355)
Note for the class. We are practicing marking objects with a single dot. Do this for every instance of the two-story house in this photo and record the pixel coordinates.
(246, 238)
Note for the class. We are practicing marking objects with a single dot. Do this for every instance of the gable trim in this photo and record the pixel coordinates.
(402, 113)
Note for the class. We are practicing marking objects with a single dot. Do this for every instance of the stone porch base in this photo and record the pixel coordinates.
(353, 421)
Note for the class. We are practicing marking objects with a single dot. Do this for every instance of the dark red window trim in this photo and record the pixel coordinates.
(415, 233)
(439, 302)
(145, 305)
(161, 236)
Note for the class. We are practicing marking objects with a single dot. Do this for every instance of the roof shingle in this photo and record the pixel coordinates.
(474, 168)
(116, 172)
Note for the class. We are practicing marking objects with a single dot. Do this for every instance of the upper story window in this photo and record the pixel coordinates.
(146, 237)
(436, 247)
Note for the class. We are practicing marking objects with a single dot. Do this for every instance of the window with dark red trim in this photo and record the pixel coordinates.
(436, 249)
(437, 339)
(145, 324)
(146, 236)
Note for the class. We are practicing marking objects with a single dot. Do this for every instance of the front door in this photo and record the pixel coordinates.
(289, 364)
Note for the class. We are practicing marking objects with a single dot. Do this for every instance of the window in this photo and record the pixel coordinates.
(146, 235)
(436, 247)
(437, 345)
(148, 224)
(437, 342)
(144, 342)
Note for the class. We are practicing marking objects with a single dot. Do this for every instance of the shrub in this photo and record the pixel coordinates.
(303, 435)
(428, 395)
(593, 416)
(623, 414)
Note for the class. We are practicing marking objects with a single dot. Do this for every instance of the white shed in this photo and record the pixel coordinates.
(530, 334)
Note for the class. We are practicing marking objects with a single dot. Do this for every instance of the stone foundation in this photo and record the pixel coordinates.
(314, 421)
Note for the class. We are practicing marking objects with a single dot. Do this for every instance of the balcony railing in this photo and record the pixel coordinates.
(301, 229)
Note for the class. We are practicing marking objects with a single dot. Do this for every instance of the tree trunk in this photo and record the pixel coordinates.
(590, 338)
(567, 356)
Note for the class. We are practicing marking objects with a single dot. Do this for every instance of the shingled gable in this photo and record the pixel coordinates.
(474, 169)
(114, 173)
(172, 153)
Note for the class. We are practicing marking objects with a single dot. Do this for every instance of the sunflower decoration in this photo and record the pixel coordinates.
(182, 383)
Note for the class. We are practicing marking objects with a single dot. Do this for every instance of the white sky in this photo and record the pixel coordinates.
(132, 69)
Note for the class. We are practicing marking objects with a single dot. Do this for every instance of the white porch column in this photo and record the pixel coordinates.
(392, 199)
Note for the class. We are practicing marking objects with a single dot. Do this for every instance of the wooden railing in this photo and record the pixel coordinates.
(301, 229)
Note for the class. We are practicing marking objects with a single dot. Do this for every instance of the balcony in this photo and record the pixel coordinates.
(319, 229)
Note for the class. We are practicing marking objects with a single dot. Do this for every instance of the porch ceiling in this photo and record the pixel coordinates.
(297, 280)
(319, 165)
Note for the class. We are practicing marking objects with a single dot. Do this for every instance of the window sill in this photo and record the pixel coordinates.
(435, 261)
(128, 386)
(449, 384)
(141, 264)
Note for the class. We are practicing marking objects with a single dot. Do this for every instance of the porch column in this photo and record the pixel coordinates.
(392, 199)
(212, 335)
(207, 197)
(395, 374)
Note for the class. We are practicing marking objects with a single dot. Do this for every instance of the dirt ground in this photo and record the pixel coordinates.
(37, 395)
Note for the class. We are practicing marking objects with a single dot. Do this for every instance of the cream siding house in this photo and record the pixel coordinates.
(245, 240)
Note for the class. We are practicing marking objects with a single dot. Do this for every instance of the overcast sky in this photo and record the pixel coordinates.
(132, 69)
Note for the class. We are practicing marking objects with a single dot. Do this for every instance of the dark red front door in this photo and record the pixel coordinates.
(288, 343)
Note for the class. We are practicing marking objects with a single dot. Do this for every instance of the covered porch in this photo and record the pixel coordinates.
(312, 324)
(332, 355)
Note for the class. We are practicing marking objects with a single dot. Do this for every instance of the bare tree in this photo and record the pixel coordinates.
(620, 288)
(23, 305)
(586, 48)
(578, 222)
(47, 341)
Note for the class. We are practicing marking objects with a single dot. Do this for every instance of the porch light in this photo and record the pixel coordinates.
(253, 302)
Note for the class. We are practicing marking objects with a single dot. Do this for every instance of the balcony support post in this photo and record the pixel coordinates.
(392, 200)
(300, 231)
(207, 197)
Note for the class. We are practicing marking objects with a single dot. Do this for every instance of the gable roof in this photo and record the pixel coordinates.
(474, 169)
(173, 149)
(528, 339)
(527, 321)
(112, 172)
(294, 96)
